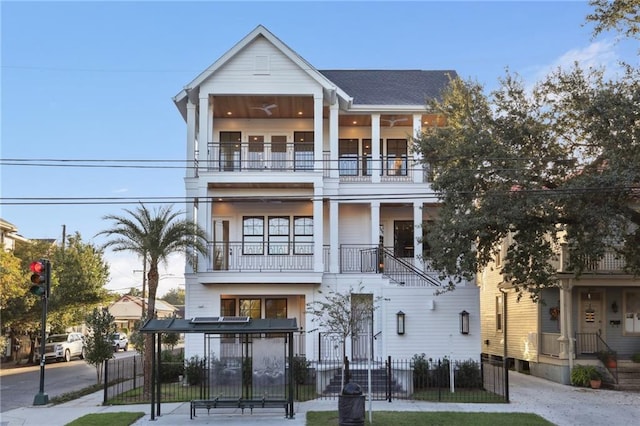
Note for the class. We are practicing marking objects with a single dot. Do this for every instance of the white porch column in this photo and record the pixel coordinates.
(376, 147)
(565, 320)
(417, 235)
(203, 131)
(418, 174)
(318, 230)
(318, 137)
(333, 141)
(191, 139)
(191, 211)
(203, 206)
(375, 223)
(334, 237)
(568, 308)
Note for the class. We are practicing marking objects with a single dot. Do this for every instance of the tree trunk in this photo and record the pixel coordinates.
(152, 281)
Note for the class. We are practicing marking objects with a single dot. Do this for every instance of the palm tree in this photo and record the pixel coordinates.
(154, 236)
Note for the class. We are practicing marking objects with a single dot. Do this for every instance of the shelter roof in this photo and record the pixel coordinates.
(220, 325)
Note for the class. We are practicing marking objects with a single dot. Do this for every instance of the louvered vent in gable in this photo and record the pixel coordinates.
(262, 65)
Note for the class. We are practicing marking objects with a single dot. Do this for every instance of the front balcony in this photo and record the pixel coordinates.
(290, 157)
(299, 257)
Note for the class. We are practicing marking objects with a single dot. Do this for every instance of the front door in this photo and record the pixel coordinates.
(361, 339)
(590, 320)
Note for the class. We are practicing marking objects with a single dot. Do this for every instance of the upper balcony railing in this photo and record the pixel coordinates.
(299, 157)
(260, 256)
(611, 262)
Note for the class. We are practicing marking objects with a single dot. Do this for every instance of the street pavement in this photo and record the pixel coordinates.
(560, 404)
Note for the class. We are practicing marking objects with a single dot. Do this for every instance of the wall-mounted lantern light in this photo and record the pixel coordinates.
(464, 322)
(614, 307)
(400, 322)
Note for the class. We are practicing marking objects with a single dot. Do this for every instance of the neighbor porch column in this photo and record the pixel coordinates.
(564, 322)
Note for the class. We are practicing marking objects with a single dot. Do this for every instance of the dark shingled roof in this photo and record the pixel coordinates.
(390, 87)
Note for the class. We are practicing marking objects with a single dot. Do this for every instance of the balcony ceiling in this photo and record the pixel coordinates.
(288, 107)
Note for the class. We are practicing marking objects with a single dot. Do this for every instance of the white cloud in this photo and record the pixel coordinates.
(121, 190)
(125, 271)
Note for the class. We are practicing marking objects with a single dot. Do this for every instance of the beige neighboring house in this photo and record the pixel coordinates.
(9, 235)
(128, 309)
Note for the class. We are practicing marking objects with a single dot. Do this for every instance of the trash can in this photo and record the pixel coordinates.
(351, 406)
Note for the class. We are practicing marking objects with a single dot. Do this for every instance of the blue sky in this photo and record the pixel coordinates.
(94, 81)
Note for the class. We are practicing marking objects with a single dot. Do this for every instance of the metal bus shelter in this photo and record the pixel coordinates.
(247, 363)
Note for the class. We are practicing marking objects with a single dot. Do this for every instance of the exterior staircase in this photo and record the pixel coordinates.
(628, 376)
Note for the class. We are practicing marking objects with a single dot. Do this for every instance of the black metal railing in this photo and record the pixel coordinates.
(402, 272)
(260, 256)
(419, 378)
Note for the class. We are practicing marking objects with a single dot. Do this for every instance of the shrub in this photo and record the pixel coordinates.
(172, 366)
(300, 369)
(194, 370)
(581, 375)
(420, 365)
(468, 375)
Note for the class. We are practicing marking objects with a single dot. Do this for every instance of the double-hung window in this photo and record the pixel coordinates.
(278, 235)
(303, 235)
(253, 235)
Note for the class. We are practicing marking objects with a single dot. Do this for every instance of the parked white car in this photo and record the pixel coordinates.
(63, 347)
(120, 341)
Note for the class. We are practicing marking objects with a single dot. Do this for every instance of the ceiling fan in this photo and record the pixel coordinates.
(393, 120)
(266, 108)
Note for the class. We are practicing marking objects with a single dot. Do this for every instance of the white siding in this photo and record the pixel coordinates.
(237, 76)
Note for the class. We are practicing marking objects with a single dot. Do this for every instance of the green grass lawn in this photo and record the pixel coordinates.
(440, 418)
(107, 419)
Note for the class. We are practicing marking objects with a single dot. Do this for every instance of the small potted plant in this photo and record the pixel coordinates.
(595, 378)
(608, 358)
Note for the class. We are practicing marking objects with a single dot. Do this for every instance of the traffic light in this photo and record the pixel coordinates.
(41, 277)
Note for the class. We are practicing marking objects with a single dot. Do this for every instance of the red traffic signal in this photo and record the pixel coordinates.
(41, 277)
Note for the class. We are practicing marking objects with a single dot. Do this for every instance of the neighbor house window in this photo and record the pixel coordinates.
(302, 235)
(251, 308)
(498, 313)
(632, 312)
(252, 235)
(275, 308)
(278, 235)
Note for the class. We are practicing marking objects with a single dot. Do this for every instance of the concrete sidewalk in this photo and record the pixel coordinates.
(560, 404)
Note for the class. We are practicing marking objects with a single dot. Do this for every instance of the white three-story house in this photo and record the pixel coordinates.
(305, 180)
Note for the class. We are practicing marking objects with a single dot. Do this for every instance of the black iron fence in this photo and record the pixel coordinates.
(419, 378)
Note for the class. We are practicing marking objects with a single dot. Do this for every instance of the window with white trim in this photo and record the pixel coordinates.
(631, 312)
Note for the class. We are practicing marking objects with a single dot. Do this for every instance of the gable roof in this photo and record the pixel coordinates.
(391, 87)
(259, 31)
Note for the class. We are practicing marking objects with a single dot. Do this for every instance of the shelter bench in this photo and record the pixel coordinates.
(238, 403)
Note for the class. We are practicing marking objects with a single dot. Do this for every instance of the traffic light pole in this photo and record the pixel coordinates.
(42, 398)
